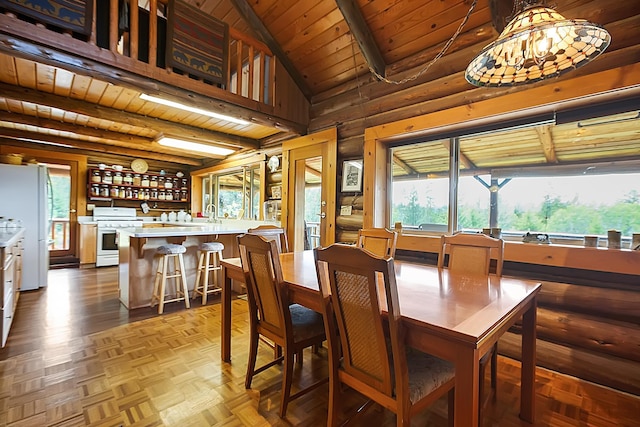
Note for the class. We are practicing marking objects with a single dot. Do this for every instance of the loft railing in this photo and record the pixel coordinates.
(250, 64)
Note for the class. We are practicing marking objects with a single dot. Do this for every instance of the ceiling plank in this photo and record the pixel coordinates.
(546, 139)
(74, 128)
(363, 36)
(20, 135)
(105, 113)
(242, 6)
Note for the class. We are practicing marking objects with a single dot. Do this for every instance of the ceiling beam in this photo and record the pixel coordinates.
(244, 9)
(38, 138)
(125, 117)
(546, 140)
(408, 169)
(360, 30)
(24, 119)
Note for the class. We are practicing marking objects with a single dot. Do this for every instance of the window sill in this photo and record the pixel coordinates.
(623, 261)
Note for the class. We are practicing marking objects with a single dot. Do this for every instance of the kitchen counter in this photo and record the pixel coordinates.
(10, 237)
(184, 229)
(137, 253)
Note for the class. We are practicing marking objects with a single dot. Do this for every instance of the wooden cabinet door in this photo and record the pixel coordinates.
(88, 243)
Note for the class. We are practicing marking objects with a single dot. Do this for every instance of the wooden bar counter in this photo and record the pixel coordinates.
(137, 248)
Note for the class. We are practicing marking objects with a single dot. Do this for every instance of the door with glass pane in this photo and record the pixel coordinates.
(62, 210)
(309, 198)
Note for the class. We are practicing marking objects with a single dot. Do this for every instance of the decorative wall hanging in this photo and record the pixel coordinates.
(197, 43)
(72, 15)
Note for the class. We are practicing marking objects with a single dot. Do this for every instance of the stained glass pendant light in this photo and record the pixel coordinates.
(537, 44)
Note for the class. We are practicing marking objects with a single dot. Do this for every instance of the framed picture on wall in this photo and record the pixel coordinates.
(352, 175)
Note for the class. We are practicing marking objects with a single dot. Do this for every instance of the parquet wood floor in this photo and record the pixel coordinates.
(76, 357)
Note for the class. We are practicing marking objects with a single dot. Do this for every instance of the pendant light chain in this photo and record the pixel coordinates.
(433, 61)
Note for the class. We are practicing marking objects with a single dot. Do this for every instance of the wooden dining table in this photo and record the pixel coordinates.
(453, 316)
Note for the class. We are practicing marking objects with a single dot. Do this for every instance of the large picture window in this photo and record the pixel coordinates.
(566, 180)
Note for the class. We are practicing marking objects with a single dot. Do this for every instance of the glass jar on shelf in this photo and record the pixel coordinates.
(122, 193)
(161, 182)
(134, 195)
(161, 195)
(117, 178)
(168, 195)
(128, 194)
(128, 178)
(176, 195)
(147, 194)
(136, 180)
(104, 191)
(145, 181)
(154, 193)
(153, 183)
(114, 191)
(107, 178)
(141, 194)
(96, 177)
(95, 190)
(183, 195)
(168, 183)
(184, 184)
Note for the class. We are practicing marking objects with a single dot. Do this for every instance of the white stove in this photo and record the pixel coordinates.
(109, 220)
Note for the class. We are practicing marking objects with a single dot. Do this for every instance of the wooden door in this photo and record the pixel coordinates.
(309, 189)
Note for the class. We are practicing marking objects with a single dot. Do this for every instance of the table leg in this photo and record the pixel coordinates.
(528, 374)
(226, 316)
(467, 388)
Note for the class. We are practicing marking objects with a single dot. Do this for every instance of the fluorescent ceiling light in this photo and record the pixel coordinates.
(194, 146)
(192, 109)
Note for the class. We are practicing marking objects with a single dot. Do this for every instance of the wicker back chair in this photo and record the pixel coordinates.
(471, 253)
(290, 326)
(272, 232)
(378, 241)
(361, 355)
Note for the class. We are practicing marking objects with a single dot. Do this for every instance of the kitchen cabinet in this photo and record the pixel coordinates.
(88, 243)
(10, 278)
(111, 184)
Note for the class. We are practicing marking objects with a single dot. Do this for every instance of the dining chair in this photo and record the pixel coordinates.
(472, 253)
(377, 364)
(291, 327)
(272, 232)
(379, 241)
(279, 235)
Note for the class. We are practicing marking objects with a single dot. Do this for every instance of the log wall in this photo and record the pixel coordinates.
(587, 330)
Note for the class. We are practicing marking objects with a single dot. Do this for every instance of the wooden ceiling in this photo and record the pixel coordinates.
(321, 43)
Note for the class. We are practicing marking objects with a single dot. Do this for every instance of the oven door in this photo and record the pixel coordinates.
(107, 250)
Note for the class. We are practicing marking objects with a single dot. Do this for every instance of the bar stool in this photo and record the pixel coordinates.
(210, 255)
(162, 274)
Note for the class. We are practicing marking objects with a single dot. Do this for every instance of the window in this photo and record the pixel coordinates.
(234, 194)
(567, 180)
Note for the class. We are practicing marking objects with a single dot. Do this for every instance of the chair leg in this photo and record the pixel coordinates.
(451, 400)
(196, 287)
(183, 278)
(334, 404)
(163, 284)
(253, 354)
(205, 286)
(286, 381)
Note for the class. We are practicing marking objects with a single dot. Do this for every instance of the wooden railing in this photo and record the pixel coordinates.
(59, 234)
(251, 64)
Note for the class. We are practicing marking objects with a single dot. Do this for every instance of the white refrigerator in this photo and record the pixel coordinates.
(24, 197)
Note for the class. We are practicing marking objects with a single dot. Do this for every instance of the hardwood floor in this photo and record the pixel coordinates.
(76, 357)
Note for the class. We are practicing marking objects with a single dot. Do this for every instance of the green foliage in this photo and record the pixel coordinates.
(553, 215)
(61, 186)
